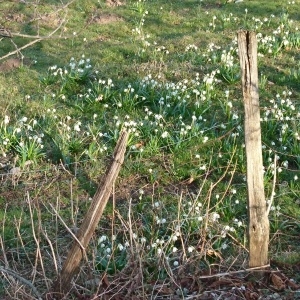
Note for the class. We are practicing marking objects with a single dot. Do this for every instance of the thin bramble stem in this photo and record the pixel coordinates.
(273, 186)
(39, 256)
(54, 260)
(23, 280)
(18, 226)
(67, 227)
(1, 240)
(184, 256)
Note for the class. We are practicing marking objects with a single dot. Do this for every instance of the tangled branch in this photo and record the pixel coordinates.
(21, 279)
(7, 33)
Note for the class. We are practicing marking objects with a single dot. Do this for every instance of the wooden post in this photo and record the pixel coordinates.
(71, 266)
(258, 224)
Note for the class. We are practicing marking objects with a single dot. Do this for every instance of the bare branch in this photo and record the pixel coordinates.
(18, 50)
(34, 41)
(6, 33)
(258, 269)
(21, 279)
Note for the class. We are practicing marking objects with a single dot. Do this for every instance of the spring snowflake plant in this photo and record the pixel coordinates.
(110, 255)
(70, 76)
(23, 138)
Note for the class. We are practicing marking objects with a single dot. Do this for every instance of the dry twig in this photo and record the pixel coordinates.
(6, 33)
(23, 280)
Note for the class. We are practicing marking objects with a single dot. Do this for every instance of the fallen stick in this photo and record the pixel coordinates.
(71, 266)
(257, 269)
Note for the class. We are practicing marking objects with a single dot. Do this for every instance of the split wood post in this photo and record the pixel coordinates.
(258, 223)
(71, 266)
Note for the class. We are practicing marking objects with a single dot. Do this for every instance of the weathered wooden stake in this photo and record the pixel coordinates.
(71, 266)
(258, 224)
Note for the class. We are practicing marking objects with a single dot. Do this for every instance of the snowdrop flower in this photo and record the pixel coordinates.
(191, 249)
(164, 134)
(215, 217)
(77, 126)
(6, 119)
(102, 239)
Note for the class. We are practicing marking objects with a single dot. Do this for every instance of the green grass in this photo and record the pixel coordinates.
(168, 72)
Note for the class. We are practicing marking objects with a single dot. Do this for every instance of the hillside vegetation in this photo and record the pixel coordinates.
(169, 73)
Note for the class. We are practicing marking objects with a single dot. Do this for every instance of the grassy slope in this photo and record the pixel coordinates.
(117, 54)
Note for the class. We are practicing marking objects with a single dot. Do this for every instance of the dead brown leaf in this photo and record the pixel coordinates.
(106, 19)
(10, 64)
(114, 3)
(277, 282)
(249, 295)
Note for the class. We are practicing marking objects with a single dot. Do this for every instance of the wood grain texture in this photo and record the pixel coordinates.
(258, 229)
(71, 266)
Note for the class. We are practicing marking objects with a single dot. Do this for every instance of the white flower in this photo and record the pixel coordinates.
(102, 239)
(77, 127)
(156, 204)
(6, 119)
(224, 246)
(215, 217)
(191, 249)
(164, 134)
